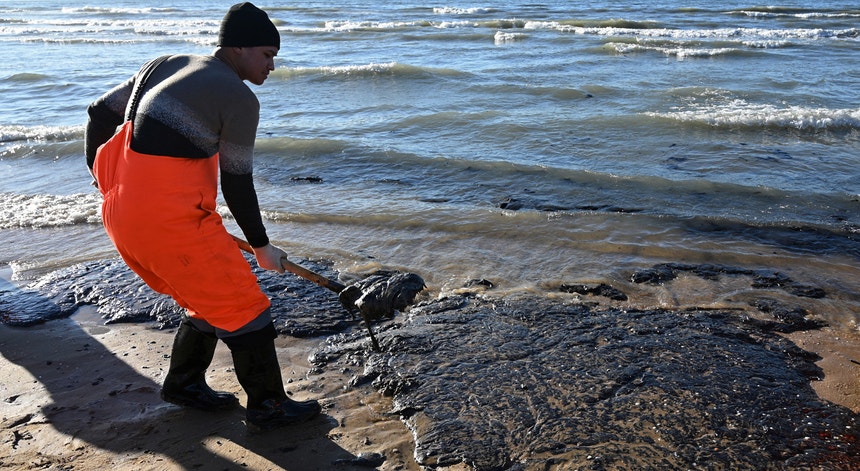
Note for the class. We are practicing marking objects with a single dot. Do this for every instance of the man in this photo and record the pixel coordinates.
(188, 117)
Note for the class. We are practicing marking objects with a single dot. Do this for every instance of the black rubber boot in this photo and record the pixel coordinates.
(259, 373)
(185, 384)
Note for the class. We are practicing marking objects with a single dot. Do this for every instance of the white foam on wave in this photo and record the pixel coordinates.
(42, 210)
(78, 29)
(40, 133)
(362, 69)
(775, 13)
(455, 24)
(350, 25)
(502, 37)
(461, 10)
(742, 113)
(117, 10)
(766, 43)
(749, 34)
(679, 52)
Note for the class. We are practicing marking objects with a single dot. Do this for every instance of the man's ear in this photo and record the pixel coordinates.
(232, 51)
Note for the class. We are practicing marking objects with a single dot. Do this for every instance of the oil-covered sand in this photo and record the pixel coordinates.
(527, 381)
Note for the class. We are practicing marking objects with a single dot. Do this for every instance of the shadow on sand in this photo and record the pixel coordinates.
(91, 396)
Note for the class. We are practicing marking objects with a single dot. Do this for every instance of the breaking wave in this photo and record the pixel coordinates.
(42, 210)
(744, 114)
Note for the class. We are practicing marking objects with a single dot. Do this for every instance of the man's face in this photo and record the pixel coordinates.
(255, 63)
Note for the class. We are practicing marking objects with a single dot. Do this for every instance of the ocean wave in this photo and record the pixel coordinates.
(791, 12)
(767, 44)
(25, 77)
(365, 70)
(502, 24)
(119, 10)
(208, 40)
(502, 37)
(679, 52)
(748, 34)
(745, 114)
(300, 151)
(40, 133)
(72, 41)
(42, 211)
(462, 11)
(498, 23)
(370, 25)
(70, 29)
(682, 48)
(611, 23)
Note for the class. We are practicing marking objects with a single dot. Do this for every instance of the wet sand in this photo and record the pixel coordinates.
(840, 360)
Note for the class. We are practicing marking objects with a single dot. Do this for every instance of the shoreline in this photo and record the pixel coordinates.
(84, 395)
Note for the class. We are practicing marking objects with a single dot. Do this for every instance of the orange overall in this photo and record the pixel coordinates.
(160, 214)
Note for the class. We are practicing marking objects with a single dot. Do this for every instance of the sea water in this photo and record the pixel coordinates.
(528, 144)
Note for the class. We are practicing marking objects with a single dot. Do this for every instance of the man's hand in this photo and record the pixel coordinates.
(269, 257)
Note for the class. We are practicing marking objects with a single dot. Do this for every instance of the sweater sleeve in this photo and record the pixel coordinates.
(241, 199)
(236, 150)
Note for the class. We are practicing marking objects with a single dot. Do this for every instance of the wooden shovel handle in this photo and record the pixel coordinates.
(297, 269)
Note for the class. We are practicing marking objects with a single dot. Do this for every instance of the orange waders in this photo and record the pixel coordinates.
(160, 214)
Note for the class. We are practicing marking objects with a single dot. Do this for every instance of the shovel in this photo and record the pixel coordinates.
(374, 297)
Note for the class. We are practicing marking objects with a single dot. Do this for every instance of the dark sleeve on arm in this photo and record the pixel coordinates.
(241, 198)
(101, 126)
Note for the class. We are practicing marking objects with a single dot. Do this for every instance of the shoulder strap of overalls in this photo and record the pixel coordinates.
(142, 77)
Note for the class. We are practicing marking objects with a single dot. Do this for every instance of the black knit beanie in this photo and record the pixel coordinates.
(245, 25)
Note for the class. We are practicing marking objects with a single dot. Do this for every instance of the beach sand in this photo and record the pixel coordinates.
(79, 395)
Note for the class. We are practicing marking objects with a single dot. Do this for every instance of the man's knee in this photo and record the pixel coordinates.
(250, 340)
